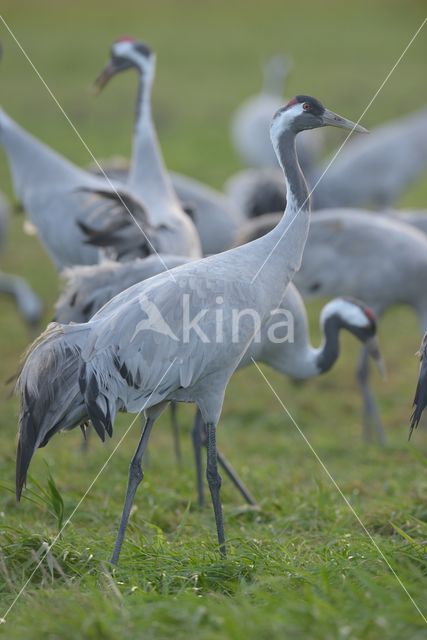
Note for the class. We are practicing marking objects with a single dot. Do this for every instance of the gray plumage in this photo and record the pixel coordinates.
(415, 217)
(135, 354)
(88, 288)
(256, 192)
(373, 257)
(250, 123)
(370, 172)
(214, 214)
(171, 229)
(376, 171)
(58, 195)
(49, 187)
(27, 301)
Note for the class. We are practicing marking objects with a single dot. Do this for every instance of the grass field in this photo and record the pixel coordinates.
(302, 566)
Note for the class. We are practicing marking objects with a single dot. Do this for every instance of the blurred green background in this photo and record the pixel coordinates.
(302, 567)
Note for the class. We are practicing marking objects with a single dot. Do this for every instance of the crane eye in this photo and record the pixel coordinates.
(306, 106)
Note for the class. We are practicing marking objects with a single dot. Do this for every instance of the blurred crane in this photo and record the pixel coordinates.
(27, 301)
(260, 189)
(137, 352)
(373, 172)
(376, 258)
(214, 215)
(376, 171)
(250, 123)
(148, 178)
(62, 199)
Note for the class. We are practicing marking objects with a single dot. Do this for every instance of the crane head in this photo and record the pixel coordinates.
(305, 112)
(126, 53)
(358, 319)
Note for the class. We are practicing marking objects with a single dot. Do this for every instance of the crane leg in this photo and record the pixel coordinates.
(175, 432)
(214, 482)
(372, 424)
(229, 470)
(197, 437)
(135, 477)
(199, 440)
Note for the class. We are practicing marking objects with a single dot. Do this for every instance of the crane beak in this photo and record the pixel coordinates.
(104, 77)
(331, 119)
(374, 351)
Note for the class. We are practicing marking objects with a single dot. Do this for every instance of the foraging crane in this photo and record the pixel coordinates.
(292, 354)
(376, 258)
(250, 123)
(148, 178)
(27, 301)
(142, 351)
(88, 288)
(420, 399)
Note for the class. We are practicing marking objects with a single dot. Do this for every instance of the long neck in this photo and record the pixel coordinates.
(148, 176)
(329, 351)
(285, 243)
(272, 83)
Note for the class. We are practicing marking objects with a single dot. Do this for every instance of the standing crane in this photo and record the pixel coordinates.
(373, 172)
(88, 288)
(376, 258)
(215, 218)
(250, 122)
(62, 199)
(142, 351)
(148, 178)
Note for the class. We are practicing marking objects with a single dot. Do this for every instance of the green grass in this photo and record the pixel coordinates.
(301, 566)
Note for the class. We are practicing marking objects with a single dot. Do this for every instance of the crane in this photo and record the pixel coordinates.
(250, 122)
(214, 216)
(376, 258)
(62, 199)
(88, 288)
(375, 172)
(292, 354)
(27, 301)
(148, 178)
(158, 341)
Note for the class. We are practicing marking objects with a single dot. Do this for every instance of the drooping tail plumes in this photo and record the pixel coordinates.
(49, 389)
